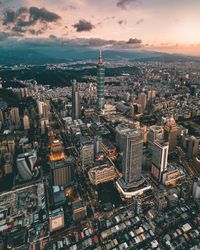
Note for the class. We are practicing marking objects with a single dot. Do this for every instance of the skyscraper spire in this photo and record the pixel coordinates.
(100, 56)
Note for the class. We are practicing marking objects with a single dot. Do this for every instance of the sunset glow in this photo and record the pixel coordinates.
(161, 25)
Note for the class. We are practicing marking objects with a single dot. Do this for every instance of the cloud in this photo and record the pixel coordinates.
(79, 42)
(18, 29)
(124, 3)
(69, 7)
(83, 25)
(36, 32)
(9, 17)
(109, 44)
(141, 20)
(53, 37)
(134, 41)
(121, 22)
(24, 19)
(43, 15)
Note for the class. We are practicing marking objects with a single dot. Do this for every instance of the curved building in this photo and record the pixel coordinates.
(26, 163)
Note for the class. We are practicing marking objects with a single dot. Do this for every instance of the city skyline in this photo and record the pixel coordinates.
(123, 173)
(124, 24)
(99, 125)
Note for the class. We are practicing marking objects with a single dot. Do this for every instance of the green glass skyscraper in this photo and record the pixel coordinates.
(100, 82)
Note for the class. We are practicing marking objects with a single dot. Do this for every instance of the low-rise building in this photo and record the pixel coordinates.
(79, 210)
(104, 171)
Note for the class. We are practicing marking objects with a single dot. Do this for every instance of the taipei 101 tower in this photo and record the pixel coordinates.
(100, 82)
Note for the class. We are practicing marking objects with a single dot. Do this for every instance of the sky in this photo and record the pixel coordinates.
(163, 25)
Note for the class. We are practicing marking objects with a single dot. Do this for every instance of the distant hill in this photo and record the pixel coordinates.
(37, 54)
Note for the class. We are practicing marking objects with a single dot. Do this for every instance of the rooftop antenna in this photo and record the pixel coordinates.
(100, 56)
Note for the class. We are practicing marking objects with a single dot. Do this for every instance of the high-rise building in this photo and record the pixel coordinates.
(62, 171)
(97, 144)
(132, 109)
(75, 101)
(43, 109)
(86, 152)
(170, 133)
(193, 147)
(100, 82)
(132, 182)
(56, 151)
(44, 124)
(120, 130)
(142, 100)
(159, 159)
(26, 122)
(62, 167)
(7, 145)
(8, 163)
(1, 116)
(151, 95)
(155, 133)
(196, 189)
(132, 156)
(11, 145)
(14, 117)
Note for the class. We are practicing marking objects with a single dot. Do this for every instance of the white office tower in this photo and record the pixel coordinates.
(39, 106)
(43, 109)
(159, 159)
(26, 122)
(196, 189)
(97, 145)
(26, 165)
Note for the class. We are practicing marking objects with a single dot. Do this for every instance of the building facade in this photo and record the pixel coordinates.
(155, 133)
(132, 155)
(142, 100)
(87, 152)
(193, 147)
(79, 209)
(170, 133)
(14, 117)
(100, 83)
(62, 171)
(159, 159)
(75, 101)
(104, 171)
